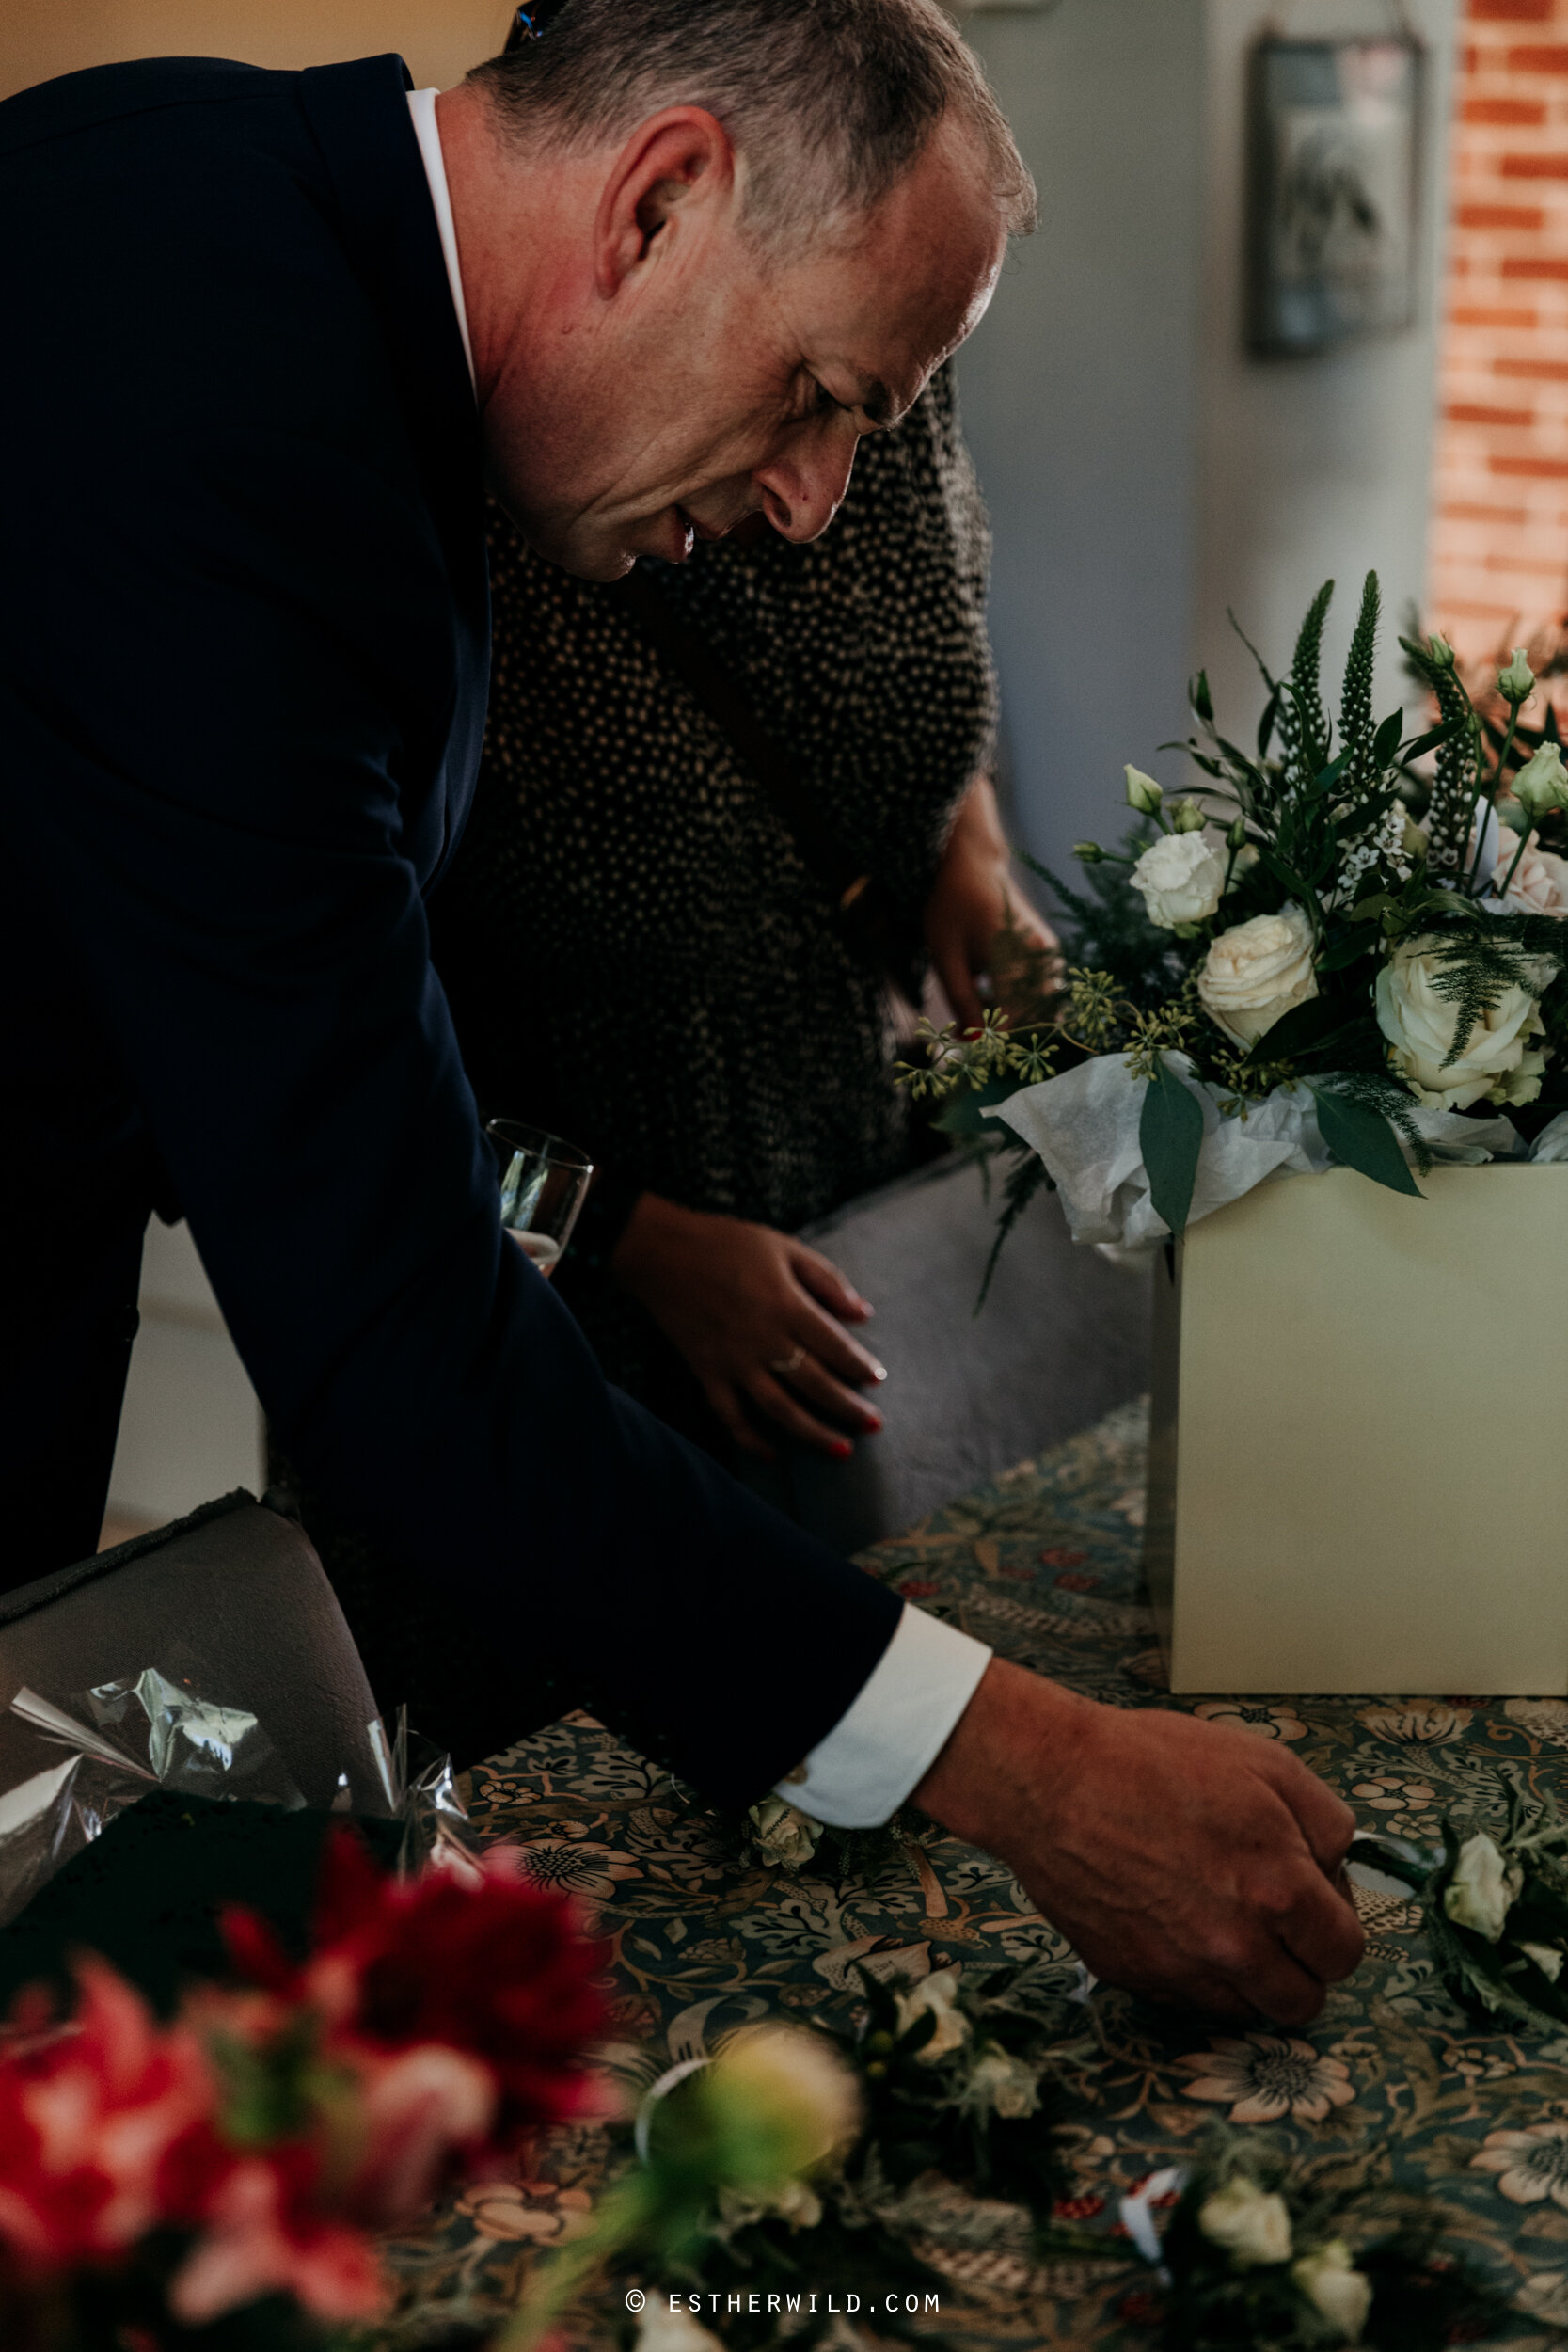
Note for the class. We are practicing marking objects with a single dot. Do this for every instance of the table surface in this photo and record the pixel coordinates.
(1044, 1564)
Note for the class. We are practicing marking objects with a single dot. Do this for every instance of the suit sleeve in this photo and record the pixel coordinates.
(228, 666)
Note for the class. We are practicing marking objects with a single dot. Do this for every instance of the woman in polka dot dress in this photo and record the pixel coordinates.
(639, 958)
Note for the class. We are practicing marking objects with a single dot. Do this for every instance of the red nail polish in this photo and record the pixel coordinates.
(841, 1449)
(873, 1422)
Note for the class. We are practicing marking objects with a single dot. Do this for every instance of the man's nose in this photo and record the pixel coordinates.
(802, 491)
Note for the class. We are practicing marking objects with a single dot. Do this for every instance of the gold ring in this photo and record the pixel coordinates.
(786, 1364)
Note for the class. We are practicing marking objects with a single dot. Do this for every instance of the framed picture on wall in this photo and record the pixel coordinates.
(1333, 128)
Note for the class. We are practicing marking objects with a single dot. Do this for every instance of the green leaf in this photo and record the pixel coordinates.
(1362, 1139)
(1386, 743)
(1304, 1026)
(1199, 696)
(1344, 950)
(1434, 738)
(1170, 1137)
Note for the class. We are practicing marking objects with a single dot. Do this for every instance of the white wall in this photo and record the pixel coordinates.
(1142, 471)
(191, 1428)
(1079, 396)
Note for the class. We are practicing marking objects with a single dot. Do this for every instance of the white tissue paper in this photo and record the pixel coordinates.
(1084, 1126)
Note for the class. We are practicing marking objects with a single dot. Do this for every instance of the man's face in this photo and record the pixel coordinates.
(712, 387)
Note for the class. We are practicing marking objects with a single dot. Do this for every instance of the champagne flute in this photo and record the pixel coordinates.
(543, 1182)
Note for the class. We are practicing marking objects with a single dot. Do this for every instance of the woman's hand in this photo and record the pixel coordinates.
(971, 900)
(758, 1316)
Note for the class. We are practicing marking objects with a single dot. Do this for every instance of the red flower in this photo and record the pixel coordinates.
(494, 1966)
(1059, 1557)
(91, 2116)
(918, 1588)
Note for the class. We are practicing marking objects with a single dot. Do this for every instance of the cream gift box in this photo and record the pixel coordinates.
(1358, 1463)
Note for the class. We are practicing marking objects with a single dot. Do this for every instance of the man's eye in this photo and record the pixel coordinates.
(824, 399)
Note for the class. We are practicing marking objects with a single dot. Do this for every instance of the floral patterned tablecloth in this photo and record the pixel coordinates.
(1044, 1564)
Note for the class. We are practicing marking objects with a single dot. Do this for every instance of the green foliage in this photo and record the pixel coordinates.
(1170, 1135)
(1356, 731)
(1303, 720)
(1104, 927)
(1454, 789)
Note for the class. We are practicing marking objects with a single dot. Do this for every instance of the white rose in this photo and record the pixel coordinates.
(1003, 2084)
(1252, 2224)
(1257, 971)
(1420, 1026)
(1334, 2286)
(1482, 1888)
(1539, 884)
(935, 1996)
(662, 2329)
(781, 1833)
(1180, 878)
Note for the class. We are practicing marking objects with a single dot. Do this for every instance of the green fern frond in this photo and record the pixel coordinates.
(1018, 1188)
(1476, 963)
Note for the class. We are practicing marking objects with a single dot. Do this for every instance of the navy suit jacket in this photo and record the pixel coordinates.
(242, 653)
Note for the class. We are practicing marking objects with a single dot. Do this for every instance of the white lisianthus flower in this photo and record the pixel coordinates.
(1257, 971)
(1539, 884)
(1180, 878)
(1546, 1958)
(1143, 793)
(1334, 2286)
(1252, 2224)
(1003, 2085)
(1541, 783)
(781, 1833)
(1482, 1888)
(1418, 1025)
(935, 1996)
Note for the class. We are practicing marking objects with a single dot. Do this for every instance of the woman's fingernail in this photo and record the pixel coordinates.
(841, 1449)
(879, 1371)
(873, 1422)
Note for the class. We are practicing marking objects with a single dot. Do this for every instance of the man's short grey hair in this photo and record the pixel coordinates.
(829, 101)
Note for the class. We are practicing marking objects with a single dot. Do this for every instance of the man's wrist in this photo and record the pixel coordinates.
(1003, 1758)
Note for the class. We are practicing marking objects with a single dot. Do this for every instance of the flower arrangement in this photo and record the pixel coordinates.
(1260, 2251)
(1496, 1914)
(228, 2168)
(1323, 955)
(804, 2158)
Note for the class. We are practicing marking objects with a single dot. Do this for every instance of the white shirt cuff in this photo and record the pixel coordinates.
(894, 1732)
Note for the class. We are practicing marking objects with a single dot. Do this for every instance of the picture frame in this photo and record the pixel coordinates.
(1333, 198)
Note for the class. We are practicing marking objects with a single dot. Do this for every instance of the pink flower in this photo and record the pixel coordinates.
(262, 2235)
(91, 2116)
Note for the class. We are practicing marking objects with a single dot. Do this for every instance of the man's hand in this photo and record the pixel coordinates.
(972, 900)
(1184, 1860)
(753, 1311)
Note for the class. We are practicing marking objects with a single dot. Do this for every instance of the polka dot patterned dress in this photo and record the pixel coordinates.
(637, 955)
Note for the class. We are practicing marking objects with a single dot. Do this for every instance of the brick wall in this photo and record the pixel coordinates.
(1499, 547)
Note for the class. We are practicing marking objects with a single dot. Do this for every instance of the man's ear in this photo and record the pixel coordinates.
(680, 161)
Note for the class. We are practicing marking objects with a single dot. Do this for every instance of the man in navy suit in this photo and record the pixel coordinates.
(267, 333)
